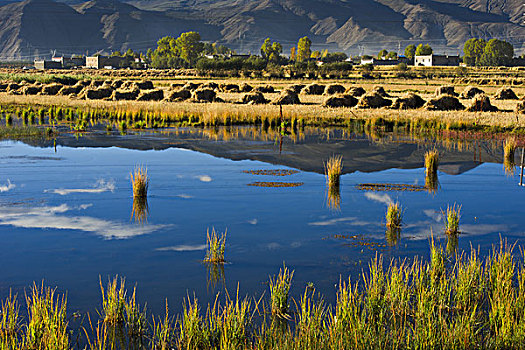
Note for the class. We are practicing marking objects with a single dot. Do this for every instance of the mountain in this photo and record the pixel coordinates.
(35, 27)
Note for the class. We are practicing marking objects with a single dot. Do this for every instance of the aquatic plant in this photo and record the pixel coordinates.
(451, 217)
(113, 301)
(333, 170)
(139, 182)
(215, 247)
(140, 210)
(431, 167)
(509, 149)
(279, 290)
(333, 198)
(393, 215)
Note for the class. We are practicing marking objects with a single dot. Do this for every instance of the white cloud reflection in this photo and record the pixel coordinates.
(7, 187)
(99, 187)
(50, 217)
(381, 198)
(182, 248)
(204, 178)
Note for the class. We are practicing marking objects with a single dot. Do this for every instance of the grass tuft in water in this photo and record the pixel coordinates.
(451, 217)
(279, 290)
(431, 167)
(509, 149)
(140, 182)
(333, 170)
(394, 215)
(140, 210)
(215, 247)
(114, 301)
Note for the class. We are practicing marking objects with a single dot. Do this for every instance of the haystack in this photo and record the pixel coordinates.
(125, 95)
(145, 85)
(194, 86)
(180, 94)
(97, 94)
(265, 89)
(296, 88)
(373, 100)
(151, 95)
(334, 89)
(115, 84)
(409, 101)
(209, 85)
(506, 94)
(229, 87)
(444, 103)
(30, 90)
(51, 89)
(12, 87)
(313, 89)
(380, 91)
(356, 91)
(253, 98)
(3, 87)
(446, 90)
(96, 83)
(203, 95)
(340, 101)
(68, 90)
(287, 97)
(245, 87)
(481, 103)
(471, 91)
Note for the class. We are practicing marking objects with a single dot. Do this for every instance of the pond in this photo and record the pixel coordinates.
(67, 215)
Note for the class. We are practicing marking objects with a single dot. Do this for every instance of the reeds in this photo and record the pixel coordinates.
(394, 215)
(140, 210)
(215, 247)
(451, 218)
(333, 170)
(139, 182)
(279, 290)
(333, 198)
(431, 167)
(509, 149)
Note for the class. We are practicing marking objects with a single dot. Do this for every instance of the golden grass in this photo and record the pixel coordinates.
(509, 149)
(394, 215)
(139, 182)
(451, 217)
(333, 169)
(215, 247)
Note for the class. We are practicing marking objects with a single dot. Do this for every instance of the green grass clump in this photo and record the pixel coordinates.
(215, 247)
(139, 182)
(333, 170)
(451, 217)
(279, 290)
(394, 215)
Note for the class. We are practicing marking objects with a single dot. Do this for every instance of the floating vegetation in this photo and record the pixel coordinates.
(215, 247)
(275, 184)
(389, 187)
(357, 240)
(272, 172)
(333, 169)
(279, 290)
(452, 216)
(140, 181)
(140, 209)
(509, 149)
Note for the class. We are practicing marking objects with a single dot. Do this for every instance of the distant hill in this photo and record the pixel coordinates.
(36, 27)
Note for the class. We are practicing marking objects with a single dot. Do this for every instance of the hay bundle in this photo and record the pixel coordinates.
(209, 85)
(176, 85)
(409, 101)
(97, 94)
(505, 94)
(229, 87)
(520, 107)
(96, 83)
(471, 91)
(12, 87)
(203, 95)
(30, 89)
(296, 88)
(373, 100)
(180, 94)
(145, 85)
(68, 90)
(265, 89)
(340, 101)
(193, 86)
(444, 103)
(287, 97)
(3, 87)
(84, 82)
(334, 89)
(356, 91)
(313, 89)
(380, 91)
(116, 84)
(446, 90)
(245, 87)
(481, 103)
(253, 98)
(151, 95)
(124, 95)
(51, 89)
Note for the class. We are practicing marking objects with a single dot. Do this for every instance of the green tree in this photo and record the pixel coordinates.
(423, 50)
(392, 55)
(129, 53)
(410, 51)
(382, 54)
(116, 54)
(271, 51)
(303, 49)
(473, 50)
(497, 53)
(189, 46)
(315, 54)
(293, 54)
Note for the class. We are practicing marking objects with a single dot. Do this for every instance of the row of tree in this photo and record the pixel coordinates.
(479, 52)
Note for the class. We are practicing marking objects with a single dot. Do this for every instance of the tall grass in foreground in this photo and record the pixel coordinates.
(139, 182)
(451, 218)
(215, 247)
(333, 170)
(446, 302)
(509, 149)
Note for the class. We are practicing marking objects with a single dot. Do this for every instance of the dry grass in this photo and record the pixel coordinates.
(139, 182)
(509, 149)
(333, 169)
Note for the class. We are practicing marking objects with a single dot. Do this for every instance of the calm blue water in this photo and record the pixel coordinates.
(65, 218)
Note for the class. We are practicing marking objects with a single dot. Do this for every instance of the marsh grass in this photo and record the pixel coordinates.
(333, 198)
(10, 323)
(394, 215)
(333, 170)
(451, 217)
(113, 301)
(279, 293)
(139, 182)
(215, 246)
(509, 150)
(140, 210)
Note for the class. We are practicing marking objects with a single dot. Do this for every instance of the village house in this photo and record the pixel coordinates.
(436, 60)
